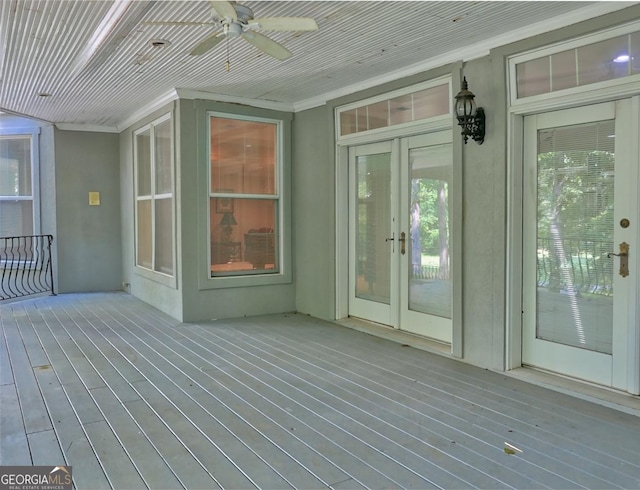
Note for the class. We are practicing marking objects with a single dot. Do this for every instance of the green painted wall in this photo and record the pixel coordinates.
(314, 235)
(88, 237)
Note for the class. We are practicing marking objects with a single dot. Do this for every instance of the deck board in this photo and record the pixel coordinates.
(45, 448)
(34, 413)
(76, 447)
(131, 398)
(360, 384)
(14, 446)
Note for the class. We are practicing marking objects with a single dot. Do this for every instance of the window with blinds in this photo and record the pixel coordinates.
(575, 206)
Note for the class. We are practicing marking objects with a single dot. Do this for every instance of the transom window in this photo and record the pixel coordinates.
(614, 55)
(401, 107)
(244, 195)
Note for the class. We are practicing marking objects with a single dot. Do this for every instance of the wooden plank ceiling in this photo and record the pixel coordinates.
(93, 62)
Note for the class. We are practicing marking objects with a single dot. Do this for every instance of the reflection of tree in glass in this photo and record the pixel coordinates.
(430, 223)
(575, 212)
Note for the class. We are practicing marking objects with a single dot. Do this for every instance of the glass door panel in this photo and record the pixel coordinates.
(371, 233)
(580, 183)
(575, 178)
(425, 203)
(429, 237)
(373, 188)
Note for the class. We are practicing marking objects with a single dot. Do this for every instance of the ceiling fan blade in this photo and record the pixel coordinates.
(224, 10)
(207, 44)
(176, 23)
(267, 45)
(286, 24)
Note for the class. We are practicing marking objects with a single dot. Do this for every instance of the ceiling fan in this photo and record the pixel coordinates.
(238, 21)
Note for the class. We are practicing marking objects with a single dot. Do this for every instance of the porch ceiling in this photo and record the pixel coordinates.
(86, 63)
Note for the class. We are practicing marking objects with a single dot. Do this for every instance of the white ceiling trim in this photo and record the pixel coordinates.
(143, 112)
(260, 103)
(94, 128)
(477, 51)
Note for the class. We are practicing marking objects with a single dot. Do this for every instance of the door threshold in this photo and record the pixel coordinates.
(601, 395)
(399, 336)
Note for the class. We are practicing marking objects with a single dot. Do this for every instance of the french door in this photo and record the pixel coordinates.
(580, 213)
(399, 234)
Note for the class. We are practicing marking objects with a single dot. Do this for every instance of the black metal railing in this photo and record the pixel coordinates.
(25, 266)
(429, 272)
(579, 266)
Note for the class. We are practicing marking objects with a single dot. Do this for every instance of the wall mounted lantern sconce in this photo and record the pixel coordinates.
(470, 117)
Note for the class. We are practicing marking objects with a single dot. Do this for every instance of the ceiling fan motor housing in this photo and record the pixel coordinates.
(233, 29)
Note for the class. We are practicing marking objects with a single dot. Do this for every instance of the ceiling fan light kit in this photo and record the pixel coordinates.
(238, 21)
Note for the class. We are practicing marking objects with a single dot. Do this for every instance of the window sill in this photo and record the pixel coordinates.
(244, 278)
(159, 277)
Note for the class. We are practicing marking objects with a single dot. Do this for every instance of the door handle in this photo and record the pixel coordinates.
(402, 240)
(393, 247)
(624, 258)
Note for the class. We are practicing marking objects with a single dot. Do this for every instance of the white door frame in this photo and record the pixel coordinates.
(342, 222)
(385, 313)
(514, 283)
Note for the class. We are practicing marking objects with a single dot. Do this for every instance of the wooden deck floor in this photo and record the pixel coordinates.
(133, 399)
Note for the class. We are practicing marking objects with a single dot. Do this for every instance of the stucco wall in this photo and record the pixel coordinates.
(88, 237)
(484, 223)
(314, 212)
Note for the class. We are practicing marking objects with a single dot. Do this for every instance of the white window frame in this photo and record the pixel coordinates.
(283, 275)
(151, 273)
(34, 135)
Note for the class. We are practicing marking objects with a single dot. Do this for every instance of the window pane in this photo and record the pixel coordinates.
(430, 243)
(144, 234)
(15, 166)
(16, 218)
(431, 102)
(143, 160)
(563, 70)
(596, 61)
(348, 122)
(164, 235)
(243, 235)
(401, 110)
(362, 121)
(373, 191)
(576, 168)
(378, 115)
(243, 156)
(533, 77)
(634, 43)
(163, 158)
